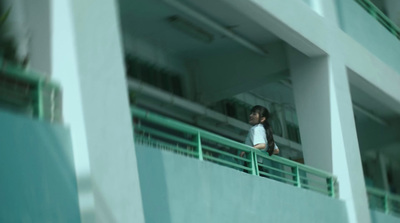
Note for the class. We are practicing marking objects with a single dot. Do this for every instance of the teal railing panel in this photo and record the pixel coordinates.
(383, 201)
(380, 16)
(26, 92)
(172, 135)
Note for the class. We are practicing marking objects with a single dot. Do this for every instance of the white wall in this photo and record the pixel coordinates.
(327, 127)
(179, 189)
(302, 28)
(87, 60)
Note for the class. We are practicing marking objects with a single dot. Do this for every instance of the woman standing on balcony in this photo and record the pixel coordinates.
(260, 135)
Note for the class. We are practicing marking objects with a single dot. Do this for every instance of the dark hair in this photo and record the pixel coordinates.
(263, 112)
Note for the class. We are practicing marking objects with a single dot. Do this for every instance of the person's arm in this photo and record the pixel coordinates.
(260, 146)
(274, 152)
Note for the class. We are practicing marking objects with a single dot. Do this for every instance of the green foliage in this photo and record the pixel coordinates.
(3, 18)
(8, 49)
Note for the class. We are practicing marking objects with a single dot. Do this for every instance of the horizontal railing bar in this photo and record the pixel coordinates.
(11, 70)
(224, 153)
(394, 197)
(277, 177)
(165, 121)
(377, 204)
(315, 189)
(171, 146)
(225, 141)
(379, 15)
(181, 126)
(294, 164)
(165, 135)
(383, 200)
(376, 191)
(205, 156)
(314, 181)
(22, 100)
(277, 170)
(276, 159)
(177, 125)
(315, 172)
(219, 140)
(28, 90)
(16, 86)
(8, 90)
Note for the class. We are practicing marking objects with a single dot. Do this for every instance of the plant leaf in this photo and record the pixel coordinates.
(4, 17)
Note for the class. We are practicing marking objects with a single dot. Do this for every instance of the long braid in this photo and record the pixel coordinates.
(270, 137)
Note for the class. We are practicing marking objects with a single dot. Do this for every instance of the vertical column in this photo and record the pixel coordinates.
(311, 91)
(328, 134)
(326, 8)
(87, 61)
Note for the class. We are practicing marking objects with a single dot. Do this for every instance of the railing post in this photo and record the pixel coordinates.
(331, 185)
(199, 148)
(254, 165)
(298, 181)
(386, 204)
(40, 100)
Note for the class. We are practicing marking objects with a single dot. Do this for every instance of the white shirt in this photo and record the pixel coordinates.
(256, 136)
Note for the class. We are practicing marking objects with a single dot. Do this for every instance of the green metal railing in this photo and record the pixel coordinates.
(29, 93)
(168, 134)
(380, 16)
(383, 201)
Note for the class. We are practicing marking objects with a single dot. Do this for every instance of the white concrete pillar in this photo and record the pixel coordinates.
(87, 61)
(393, 10)
(325, 8)
(328, 132)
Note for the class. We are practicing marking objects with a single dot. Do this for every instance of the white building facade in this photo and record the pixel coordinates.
(327, 70)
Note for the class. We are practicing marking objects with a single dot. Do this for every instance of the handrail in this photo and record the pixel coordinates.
(380, 16)
(16, 71)
(382, 200)
(164, 133)
(35, 91)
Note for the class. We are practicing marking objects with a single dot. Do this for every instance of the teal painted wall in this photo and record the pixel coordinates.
(366, 30)
(37, 175)
(379, 217)
(178, 189)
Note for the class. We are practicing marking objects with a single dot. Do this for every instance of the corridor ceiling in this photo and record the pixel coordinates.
(148, 19)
